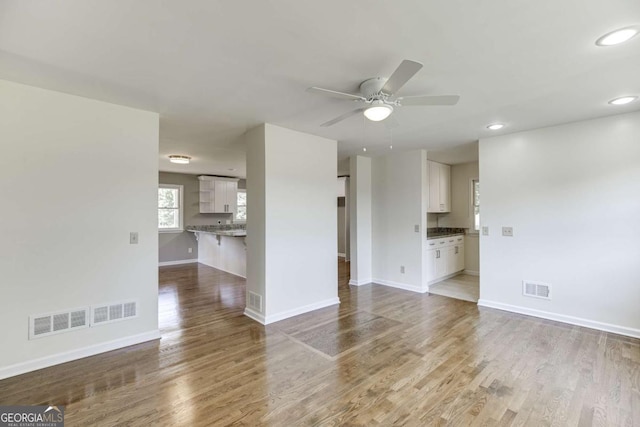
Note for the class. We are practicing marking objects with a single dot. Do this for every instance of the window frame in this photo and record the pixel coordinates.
(180, 209)
(472, 206)
(241, 190)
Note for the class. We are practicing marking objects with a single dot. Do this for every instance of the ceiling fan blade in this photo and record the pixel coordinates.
(342, 117)
(336, 94)
(429, 100)
(400, 76)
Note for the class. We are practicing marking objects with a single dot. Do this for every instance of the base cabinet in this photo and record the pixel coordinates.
(444, 257)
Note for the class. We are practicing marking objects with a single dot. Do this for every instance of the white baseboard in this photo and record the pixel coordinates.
(399, 285)
(341, 255)
(265, 320)
(80, 353)
(359, 282)
(471, 272)
(443, 278)
(252, 314)
(578, 321)
(178, 262)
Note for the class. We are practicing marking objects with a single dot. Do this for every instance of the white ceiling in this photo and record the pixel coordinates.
(214, 69)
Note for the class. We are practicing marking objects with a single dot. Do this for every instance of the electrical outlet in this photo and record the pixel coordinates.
(133, 238)
(507, 231)
(416, 228)
(402, 269)
(190, 250)
(485, 231)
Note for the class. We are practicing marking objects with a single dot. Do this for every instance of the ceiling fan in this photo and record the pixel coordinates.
(379, 98)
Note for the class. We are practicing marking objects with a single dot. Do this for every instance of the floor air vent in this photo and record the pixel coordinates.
(43, 325)
(255, 302)
(114, 312)
(536, 289)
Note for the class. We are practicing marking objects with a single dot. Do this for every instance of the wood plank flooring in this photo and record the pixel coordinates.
(383, 357)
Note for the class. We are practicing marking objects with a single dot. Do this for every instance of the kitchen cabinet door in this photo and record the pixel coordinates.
(432, 260)
(441, 262)
(439, 187)
(434, 187)
(232, 197)
(444, 188)
(220, 195)
(459, 263)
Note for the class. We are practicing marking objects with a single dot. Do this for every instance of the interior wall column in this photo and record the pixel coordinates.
(360, 220)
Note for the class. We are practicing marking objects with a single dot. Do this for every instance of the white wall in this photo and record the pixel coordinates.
(300, 225)
(571, 193)
(76, 176)
(256, 216)
(398, 205)
(472, 254)
(360, 220)
(461, 215)
(461, 201)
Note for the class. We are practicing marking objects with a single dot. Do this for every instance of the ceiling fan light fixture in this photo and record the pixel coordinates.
(179, 159)
(618, 36)
(378, 111)
(623, 100)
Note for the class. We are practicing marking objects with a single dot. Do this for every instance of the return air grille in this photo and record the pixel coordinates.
(536, 289)
(42, 325)
(255, 301)
(114, 312)
(129, 309)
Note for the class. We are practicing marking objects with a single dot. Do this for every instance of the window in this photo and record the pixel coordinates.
(241, 213)
(170, 207)
(475, 187)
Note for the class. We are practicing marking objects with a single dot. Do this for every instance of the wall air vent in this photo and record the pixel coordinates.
(42, 325)
(255, 301)
(115, 312)
(536, 289)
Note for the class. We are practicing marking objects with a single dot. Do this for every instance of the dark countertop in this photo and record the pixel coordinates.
(233, 230)
(435, 233)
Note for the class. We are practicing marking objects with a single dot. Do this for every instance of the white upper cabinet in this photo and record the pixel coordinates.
(218, 195)
(439, 187)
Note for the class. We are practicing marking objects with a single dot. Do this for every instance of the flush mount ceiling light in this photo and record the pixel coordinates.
(623, 100)
(378, 111)
(495, 126)
(618, 36)
(181, 160)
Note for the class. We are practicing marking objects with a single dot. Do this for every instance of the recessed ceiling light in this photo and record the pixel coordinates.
(378, 111)
(180, 159)
(364, 148)
(623, 100)
(495, 126)
(618, 36)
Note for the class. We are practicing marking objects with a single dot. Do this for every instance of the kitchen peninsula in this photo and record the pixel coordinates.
(222, 247)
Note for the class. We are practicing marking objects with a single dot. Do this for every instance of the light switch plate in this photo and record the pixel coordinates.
(133, 238)
(507, 231)
(416, 228)
(485, 230)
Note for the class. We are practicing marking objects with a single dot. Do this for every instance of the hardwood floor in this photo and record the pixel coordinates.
(462, 286)
(383, 357)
